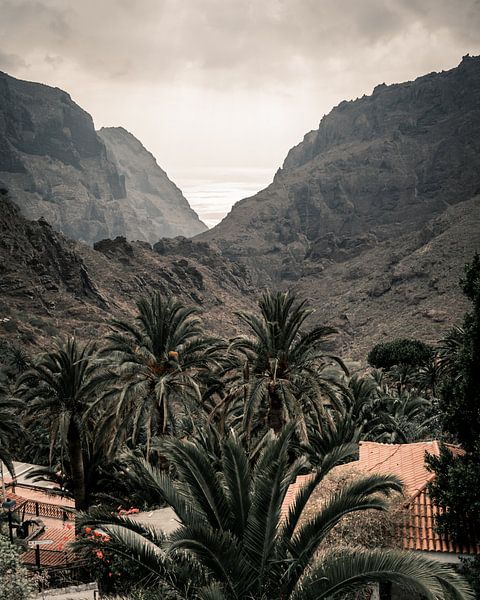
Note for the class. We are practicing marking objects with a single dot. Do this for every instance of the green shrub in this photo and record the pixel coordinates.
(36, 322)
(15, 583)
(400, 352)
(470, 569)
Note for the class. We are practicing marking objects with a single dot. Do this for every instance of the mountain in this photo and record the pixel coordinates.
(56, 166)
(50, 285)
(371, 218)
(373, 215)
(160, 207)
(376, 168)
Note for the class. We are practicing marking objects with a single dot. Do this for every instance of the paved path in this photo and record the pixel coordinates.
(88, 595)
(84, 592)
(163, 518)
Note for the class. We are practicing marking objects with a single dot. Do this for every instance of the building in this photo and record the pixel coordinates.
(46, 519)
(407, 461)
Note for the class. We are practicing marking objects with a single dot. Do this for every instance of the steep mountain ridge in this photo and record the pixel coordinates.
(376, 168)
(373, 216)
(160, 206)
(55, 166)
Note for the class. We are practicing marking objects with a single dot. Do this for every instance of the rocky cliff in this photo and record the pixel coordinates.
(160, 208)
(373, 215)
(376, 168)
(55, 166)
(50, 285)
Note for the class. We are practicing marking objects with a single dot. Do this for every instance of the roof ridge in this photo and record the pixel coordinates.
(420, 443)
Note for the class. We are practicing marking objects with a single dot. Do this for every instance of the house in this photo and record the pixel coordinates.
(407, 461)
(46, 520)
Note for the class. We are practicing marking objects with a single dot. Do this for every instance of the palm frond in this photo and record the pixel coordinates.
(347, 570)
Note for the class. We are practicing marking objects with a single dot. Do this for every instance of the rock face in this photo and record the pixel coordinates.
(55, 166)
(373, 215)
(375, 169)
(160, 208)
(50, 285)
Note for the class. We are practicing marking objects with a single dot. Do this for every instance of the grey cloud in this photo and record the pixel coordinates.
(221, 42)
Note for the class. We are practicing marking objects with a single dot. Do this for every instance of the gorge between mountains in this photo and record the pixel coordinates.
(371, 218)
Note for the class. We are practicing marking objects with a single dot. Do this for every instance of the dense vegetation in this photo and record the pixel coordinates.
(457, 484)
(160, 413)
(15, 584)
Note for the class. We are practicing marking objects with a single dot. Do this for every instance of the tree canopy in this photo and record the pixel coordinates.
(401, 351)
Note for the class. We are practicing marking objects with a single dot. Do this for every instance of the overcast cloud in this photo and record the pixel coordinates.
(219, 90)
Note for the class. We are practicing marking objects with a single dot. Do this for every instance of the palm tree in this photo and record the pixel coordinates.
(449, 352)
(401, 416)
(360, 399)
(337, 428)
(10, 426)
(57, 390)
(231, 526)
(384, 413)
(155, 368)
(282, 369)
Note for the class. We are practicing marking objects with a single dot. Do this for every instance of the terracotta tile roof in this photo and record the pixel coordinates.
(49, 559)
(419, 528)
(18, 499)
(407, 461)
(56, 554)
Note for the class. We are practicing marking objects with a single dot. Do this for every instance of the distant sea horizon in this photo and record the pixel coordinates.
(212, 192)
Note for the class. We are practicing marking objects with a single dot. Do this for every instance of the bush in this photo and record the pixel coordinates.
(470, 569)
(400, 352)
(368, 529)
(10, 326)
(15, 583)
(455, 490)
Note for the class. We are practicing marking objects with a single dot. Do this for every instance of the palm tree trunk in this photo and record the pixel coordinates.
(275, 417)
(75, 455)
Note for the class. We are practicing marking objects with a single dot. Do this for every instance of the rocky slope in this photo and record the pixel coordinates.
(50, 285)
(406, 286)
(374, 214)
(56, 166)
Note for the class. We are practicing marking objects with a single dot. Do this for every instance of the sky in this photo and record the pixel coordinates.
(219, 90)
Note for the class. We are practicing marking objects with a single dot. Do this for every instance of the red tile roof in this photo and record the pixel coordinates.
(54, 555)
(53, 509)
(407, 461)
(418, 531)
